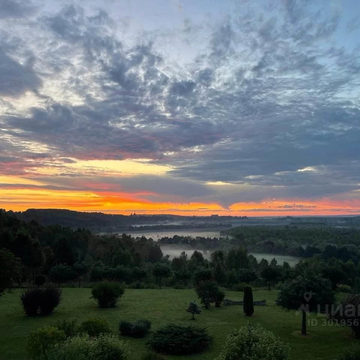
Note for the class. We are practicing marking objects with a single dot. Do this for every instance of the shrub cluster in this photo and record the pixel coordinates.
(253, 343)
(40, 301)
(104, 347)
(138, 329)
(42, 340)
(107, 294)
(180, 340)
(94, 327)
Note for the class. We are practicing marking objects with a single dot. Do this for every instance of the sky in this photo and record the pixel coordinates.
(180, 106)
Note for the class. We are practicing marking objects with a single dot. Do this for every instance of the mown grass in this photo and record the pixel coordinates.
(168, 305)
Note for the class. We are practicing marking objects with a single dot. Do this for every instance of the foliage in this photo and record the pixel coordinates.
(160, 272)
(62, 273)
(94, 327)
(209, 292)
(69, 327)
(248, 301)
(271, 275)
(10, 269)
(193, 309)
(138, 329)
(253, 343)
(104, 347)
(180, 340)
(40, 301)
(107, 294)
(348, 313)
(42, 340)
(307, 293)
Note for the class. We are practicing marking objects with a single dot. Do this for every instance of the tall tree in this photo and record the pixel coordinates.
(306, 293)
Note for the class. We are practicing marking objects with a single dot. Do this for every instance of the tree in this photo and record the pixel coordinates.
(10, 269)
(160, 272)
(271, 275)
(307, 293)
(209, 292)
(248, 303)
(193, 309)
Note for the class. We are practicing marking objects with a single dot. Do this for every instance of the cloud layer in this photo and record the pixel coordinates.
(241, 102)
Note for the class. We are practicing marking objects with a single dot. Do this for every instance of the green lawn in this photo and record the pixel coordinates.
(168, 305)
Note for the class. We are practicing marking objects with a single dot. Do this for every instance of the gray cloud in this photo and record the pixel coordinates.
(15, 8)
(15, 77)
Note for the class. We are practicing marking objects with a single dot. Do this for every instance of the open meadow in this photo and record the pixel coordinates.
(162, 306)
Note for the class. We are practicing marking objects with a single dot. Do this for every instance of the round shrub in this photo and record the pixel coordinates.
(40, 301)
(31, 301)
(42, 340)
(94, 327)
(138, 329)
(49, 300)
(253, 343)
(105, 347)
(180, 340)
(107, 294)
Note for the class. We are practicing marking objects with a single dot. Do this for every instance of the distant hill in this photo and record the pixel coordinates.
(100, 222)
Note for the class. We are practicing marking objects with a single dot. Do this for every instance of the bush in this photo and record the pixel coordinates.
(40, 301)
(105, 347)
(253, 343)
(180, 340)
(138, 329)
(94, 327)
(49, 300)
(107, 294)
(41, 341)
(69, 327)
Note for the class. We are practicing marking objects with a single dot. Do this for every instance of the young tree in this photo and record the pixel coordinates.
(193, 309)
(307, 293)
(248, 303)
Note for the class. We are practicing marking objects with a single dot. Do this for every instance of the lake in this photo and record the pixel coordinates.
(176, 250)
(158, 234)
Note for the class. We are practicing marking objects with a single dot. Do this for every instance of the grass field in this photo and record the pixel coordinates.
(168, 305)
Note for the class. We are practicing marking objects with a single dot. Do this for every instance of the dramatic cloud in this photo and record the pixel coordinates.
(240, 102)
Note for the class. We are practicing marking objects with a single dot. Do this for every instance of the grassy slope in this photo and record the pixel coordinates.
(167, 305)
